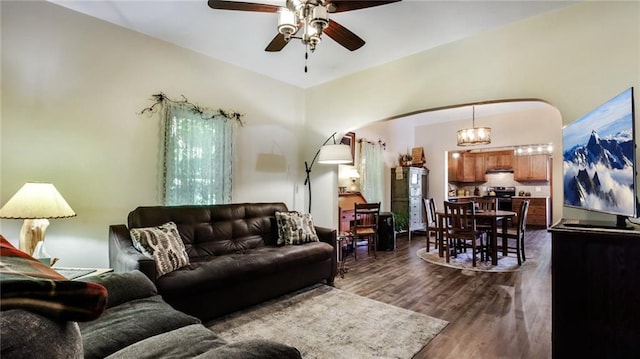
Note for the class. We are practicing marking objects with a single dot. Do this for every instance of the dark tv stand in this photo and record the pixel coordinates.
(621, 223)
(595, 291)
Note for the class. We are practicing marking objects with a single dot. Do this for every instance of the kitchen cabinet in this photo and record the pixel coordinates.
(498, 159)
(467, 167)
(452, 166)
(407, 193)
(531, 168)
(480, 167)
(538, 214)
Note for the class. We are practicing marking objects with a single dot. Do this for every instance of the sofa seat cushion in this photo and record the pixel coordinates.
(130, 322)
(196, 341)
(221, 271)
(186, 342)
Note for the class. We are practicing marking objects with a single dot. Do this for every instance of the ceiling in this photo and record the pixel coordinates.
(391, 31)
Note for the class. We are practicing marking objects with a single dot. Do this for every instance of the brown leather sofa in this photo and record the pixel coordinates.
(234, 259)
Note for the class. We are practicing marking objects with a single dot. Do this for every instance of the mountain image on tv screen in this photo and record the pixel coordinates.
(598, 158)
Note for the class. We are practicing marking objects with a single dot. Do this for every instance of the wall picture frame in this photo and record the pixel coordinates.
(349, 139)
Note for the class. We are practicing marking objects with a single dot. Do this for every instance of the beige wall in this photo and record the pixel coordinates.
(72, 87)
(575, 58)
(72, 90)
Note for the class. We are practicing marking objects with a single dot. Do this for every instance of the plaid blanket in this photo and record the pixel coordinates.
(28, 284)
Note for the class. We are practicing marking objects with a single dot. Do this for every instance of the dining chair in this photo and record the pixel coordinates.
(365, 225)
(461, 230)
(485, 204)
(431, 222)
(517, 235)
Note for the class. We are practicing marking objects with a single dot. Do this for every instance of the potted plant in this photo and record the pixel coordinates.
(401, 221)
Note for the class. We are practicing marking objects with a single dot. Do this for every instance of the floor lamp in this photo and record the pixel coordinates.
(35, 203)
(328, 154)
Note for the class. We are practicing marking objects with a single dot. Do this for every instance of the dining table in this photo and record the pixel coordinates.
(487, 216)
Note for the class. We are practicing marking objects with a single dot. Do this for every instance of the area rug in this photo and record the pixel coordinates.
(326, 322)
(463, 261)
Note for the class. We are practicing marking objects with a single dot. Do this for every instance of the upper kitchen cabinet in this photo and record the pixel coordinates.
(531, 168)
(480, 167)
(498, 159)
(466, 167)
(452, 166)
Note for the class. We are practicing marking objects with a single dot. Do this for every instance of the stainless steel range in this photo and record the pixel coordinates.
(504, 195)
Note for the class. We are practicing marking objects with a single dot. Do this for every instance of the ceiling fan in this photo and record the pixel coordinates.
(312, 16)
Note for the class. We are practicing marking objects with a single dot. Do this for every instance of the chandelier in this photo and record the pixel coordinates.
(311, 15)
(475, 135)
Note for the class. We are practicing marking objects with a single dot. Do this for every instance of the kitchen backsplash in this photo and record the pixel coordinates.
(506, 180)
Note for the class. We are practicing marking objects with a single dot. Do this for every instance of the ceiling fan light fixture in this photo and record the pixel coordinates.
(296, 4)
(312, 36)
(287, 22)
(319, 17)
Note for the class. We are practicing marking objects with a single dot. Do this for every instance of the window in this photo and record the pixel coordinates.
(198, 156)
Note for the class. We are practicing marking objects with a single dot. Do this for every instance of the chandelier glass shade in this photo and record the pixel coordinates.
(475, 135)
(310, 15)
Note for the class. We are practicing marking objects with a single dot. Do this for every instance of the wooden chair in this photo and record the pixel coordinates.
(485, 204)
(430, 221)
(517, 235)
(365, 224)
(462, 230)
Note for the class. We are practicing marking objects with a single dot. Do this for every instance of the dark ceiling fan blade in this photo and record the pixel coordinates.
(277, 44)
(242, 6)
(343, 36)
(347, 5)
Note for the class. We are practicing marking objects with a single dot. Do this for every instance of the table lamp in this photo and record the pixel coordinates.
(35, 202)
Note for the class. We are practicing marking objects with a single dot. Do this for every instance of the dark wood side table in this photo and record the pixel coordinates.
(595, 292)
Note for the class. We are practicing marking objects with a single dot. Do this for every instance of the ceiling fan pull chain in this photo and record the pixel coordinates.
(306, 57)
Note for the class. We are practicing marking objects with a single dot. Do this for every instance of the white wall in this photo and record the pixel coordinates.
(575, 58)
(72, 90)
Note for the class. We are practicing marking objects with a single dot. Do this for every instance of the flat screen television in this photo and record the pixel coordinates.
(599, 162)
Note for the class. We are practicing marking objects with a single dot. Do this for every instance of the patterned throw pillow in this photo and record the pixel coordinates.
(295, 228)
(163, 244)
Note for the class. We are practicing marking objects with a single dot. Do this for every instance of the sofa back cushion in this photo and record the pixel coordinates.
(213, 230)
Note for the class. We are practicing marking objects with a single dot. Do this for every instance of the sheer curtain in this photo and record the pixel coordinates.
(198, 156)
(371, 168)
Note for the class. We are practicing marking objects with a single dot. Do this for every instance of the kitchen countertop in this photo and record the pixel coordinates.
(462, 197)
(480, 196)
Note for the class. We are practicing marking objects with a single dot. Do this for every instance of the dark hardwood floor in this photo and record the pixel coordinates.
(490, 315)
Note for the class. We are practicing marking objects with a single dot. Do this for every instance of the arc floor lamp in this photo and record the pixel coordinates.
(328, 154)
